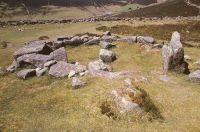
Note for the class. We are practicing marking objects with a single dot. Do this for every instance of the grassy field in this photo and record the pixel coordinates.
(49, 104)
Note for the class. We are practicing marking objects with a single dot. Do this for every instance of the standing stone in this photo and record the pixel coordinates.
(24, 74)
(195, 76)
(77, 83)
(107, 56)
(173, 55)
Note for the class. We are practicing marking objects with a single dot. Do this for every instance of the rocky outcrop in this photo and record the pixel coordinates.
(107, 55)
(195, 76)
(24, 74)
(173, 55)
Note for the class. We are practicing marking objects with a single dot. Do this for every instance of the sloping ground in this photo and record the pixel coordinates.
(171, 8)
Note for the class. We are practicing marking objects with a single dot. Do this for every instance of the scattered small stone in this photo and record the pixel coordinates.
(106, 45)
(77, 83)
(24, 74)
(195, 76)
(108, 33)
(41, 71)
(187, 58)
(72, 73)
(128, 82)
(164, 78)
(107, 55)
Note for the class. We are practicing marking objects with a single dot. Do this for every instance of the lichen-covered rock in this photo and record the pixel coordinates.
(123, 99)
(195, 76)
(24, 74)
(173, 55)
(107, 55)
(37, 60)
(40, 47)
(62, 69)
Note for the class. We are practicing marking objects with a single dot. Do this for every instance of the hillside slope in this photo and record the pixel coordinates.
(171, 8)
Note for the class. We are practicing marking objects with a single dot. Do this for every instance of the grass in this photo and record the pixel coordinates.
(49, 104)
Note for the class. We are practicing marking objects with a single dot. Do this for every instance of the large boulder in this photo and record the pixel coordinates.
(173, 55)
(107, 55)
(59, 55)
(106, 45)
(195, 76)
(40, 47)
(62, 69)
(145, 40)
(99, 65)
(24, 74)
(37, 60)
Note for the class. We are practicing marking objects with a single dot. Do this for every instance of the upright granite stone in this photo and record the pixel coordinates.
(173, 55)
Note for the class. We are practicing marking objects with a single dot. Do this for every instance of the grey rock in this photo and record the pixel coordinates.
(37, 60)
(107, 56)
(12, 67)
(62, 38)
(39, 47)
(109, 38)
(106, 45)
(24, 74)
(77, 83)
(41, 71)
(195, 76)
(50, 63)
(62, 69)
(108, 33)
(145, 40)
(59, 55)
(173, 55)
(129, 40)
(94, 40)
(99, 65)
